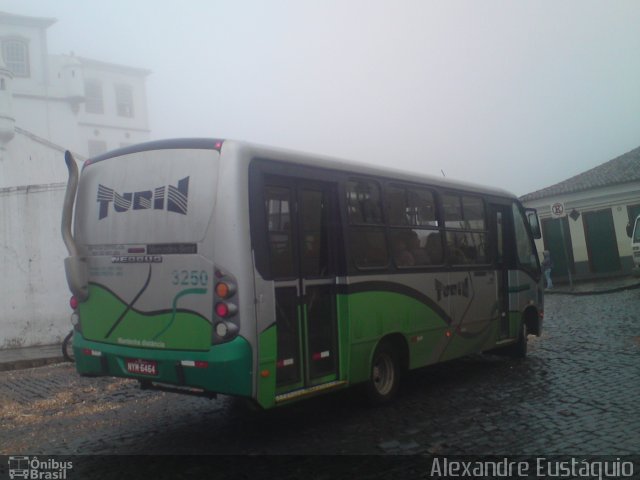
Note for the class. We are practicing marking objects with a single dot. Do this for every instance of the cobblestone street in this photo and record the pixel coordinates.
(576, 393)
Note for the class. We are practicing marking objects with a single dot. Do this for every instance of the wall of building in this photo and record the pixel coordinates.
(33, 290)
(43, 115)
(31, 160)
(51, 119)
(35, 36)
(50, 101)
(616, 199)
(114, 130)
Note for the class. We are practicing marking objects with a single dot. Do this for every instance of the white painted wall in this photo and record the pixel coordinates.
(33, 291)
(49, 118)
(35, 36)
(108, 126)
(50, 101)
(28, 161)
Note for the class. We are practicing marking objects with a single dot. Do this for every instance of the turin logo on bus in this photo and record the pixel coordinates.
(173, 199)
(454, 289)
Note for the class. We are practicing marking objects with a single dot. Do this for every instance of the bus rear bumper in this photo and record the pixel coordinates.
(225, 368)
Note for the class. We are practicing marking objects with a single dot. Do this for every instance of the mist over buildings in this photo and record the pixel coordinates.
(517, 95)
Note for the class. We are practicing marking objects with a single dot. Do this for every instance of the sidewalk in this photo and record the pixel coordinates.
(609, 285)
(30, 357)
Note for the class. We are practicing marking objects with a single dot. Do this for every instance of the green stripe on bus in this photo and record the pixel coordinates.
(169, 329)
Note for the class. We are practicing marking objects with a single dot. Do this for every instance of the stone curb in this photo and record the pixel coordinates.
(29, 363)
(592, 292)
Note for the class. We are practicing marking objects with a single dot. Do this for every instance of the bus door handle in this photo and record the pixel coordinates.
(316, 282)
(288, 284)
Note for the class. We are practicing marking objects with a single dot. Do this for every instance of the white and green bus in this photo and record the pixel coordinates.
(221, 267)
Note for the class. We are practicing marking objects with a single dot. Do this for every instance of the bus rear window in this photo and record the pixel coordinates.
(150, 197)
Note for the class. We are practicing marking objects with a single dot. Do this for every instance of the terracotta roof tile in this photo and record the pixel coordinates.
(622, 169)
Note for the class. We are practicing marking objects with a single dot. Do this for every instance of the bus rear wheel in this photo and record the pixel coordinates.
(384, 377)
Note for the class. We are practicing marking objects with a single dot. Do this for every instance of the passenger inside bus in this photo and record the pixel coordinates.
(401, 254)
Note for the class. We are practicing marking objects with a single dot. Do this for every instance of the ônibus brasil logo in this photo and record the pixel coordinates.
(176, 199)
(36, 469)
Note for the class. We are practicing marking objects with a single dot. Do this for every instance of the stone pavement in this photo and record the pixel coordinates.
(576, 394)
(595, 287)
(36, 356)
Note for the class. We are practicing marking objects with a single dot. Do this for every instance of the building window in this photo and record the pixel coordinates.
(97, 147)
(124, 101)
(16, 56)
(93, 96)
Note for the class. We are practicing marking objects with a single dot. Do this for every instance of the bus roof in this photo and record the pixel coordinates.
(303, 158)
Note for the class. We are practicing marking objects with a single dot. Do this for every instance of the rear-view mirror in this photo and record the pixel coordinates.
(532, 216)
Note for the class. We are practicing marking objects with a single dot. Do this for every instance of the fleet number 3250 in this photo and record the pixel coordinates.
(189, 277)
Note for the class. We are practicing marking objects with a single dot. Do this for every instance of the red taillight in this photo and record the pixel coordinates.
(194, 363)
(222, 309)
(91, 353)
(73, 302)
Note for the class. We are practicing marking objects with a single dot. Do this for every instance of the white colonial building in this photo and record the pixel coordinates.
(49, 104)
(587, 234)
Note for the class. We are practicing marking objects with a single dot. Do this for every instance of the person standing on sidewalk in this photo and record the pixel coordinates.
(547, 265)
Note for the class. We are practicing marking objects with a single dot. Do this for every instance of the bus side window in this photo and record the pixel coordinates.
(367, 239)
(434, 248)
(466, 233)
(277, 204)
(411, 215)
(368, 247)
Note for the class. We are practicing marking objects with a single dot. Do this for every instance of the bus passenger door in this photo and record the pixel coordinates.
(501, 220)
(317, 217)
(302, 218)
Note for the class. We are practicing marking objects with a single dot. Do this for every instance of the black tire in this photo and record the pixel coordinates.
(519, 349)
(245, 406)
(384, 376)
(67, 348)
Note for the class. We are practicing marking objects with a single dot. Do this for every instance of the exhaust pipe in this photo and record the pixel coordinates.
(75, 267)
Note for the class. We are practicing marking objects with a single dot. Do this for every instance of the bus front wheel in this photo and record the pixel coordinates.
(384, 378)
(519, 349)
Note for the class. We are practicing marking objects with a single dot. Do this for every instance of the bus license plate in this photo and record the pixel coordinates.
(142, 367)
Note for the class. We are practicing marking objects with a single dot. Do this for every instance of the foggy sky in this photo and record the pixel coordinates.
(516, 94)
